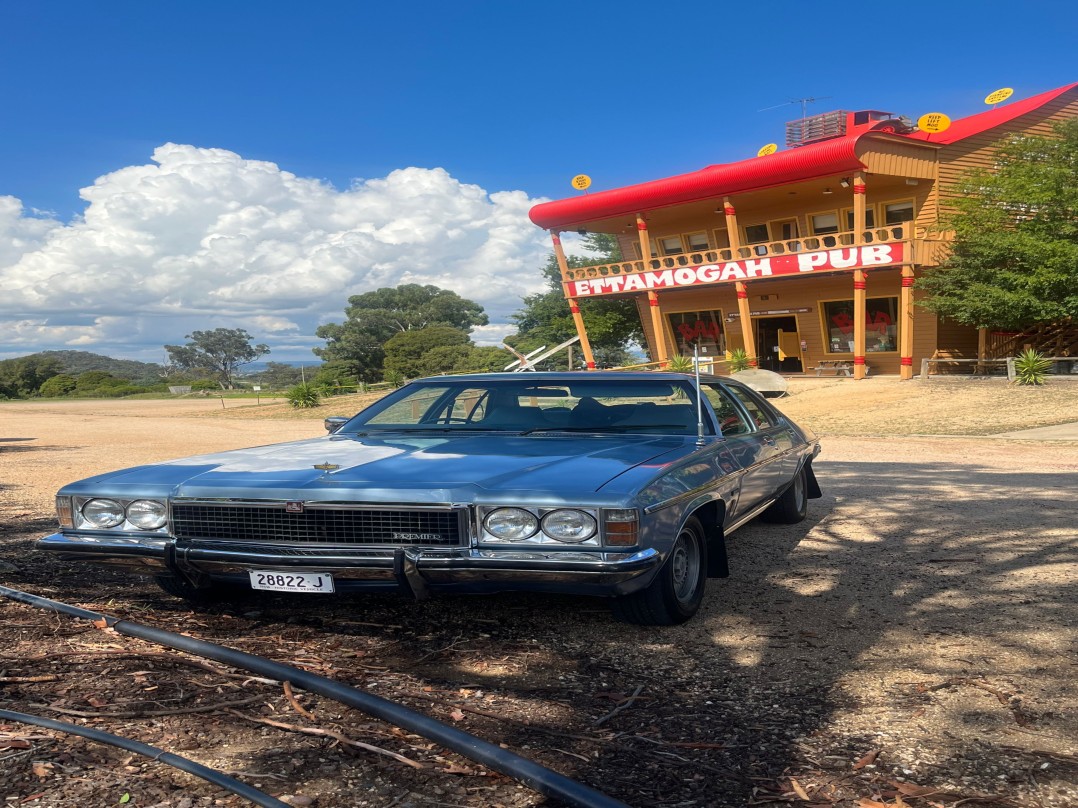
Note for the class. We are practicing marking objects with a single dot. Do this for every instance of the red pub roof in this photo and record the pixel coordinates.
(824, 159)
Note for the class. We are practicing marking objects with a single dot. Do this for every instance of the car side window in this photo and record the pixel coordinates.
(731, 420)
(759, 414)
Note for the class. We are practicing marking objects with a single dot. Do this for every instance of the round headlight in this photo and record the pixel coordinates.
(569, 525)
(146, 514)
(511, 524)
(103, 512)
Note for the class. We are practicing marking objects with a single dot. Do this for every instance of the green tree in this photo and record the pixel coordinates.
(94, 382)
(1015, 255)
(613, 325)
(23, 377)
(336, 376)
(60, 385)
(426, 351)
(375, 317)
(280, 376)
(221, 350)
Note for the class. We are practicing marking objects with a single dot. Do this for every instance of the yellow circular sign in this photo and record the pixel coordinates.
(999, 96)
(934, 122)
(581, 182)
(770, 148)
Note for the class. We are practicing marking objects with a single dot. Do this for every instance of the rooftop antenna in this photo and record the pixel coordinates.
(804, 102)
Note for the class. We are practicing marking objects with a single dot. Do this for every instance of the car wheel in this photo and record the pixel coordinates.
(180, 588)
(792, 506)
(677, 591)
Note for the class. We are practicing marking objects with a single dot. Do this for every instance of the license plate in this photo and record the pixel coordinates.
(273, 581)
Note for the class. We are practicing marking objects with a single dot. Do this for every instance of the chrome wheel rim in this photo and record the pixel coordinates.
(685, 566)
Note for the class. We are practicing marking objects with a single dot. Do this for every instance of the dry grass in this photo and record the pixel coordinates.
(940, 406)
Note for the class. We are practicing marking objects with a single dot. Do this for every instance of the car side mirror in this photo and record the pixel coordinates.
(334, 422)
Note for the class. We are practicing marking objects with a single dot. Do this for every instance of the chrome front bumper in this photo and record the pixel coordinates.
(417, 570)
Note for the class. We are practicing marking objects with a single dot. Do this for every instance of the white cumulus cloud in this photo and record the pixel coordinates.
(203, 238)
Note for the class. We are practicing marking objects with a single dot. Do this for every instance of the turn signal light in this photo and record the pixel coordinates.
(620, 527)
(64, 514)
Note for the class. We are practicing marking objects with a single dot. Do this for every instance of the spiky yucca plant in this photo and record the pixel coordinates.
(739, 360)
(680, 364)
(1031, 367)
(303, 396)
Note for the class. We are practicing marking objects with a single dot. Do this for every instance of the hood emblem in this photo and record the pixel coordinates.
(327, 467)
(293, 507)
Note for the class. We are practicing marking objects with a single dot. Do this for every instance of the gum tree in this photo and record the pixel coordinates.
(1014, 262)
(222, 351)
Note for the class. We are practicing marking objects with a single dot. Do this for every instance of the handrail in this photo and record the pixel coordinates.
(793, 246)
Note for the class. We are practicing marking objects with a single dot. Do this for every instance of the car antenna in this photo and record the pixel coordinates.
(699, 398)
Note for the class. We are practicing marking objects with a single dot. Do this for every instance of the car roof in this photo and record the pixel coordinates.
(573, 375)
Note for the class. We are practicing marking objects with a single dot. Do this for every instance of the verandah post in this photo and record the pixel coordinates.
(574, 309)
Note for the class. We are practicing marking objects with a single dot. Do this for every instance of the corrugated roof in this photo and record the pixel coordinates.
(828, 158)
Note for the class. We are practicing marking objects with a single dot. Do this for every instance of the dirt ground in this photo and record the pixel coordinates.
(912, 643)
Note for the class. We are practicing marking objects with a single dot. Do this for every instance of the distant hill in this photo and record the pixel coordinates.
(76, 362)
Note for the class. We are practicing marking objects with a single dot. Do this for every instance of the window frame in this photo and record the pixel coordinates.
(913, 211)
(811, 219)
(750, 242)
(825, 327)
(847, 216)
(720, 345)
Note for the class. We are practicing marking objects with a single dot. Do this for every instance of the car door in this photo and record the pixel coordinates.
(780, 459)
(752, 448)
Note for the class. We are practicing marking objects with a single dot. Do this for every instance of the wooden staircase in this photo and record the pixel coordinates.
(1047, 339)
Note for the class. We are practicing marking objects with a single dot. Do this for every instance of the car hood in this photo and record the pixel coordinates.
(430, 468)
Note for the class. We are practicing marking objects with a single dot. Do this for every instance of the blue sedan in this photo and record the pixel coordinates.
(623, 485)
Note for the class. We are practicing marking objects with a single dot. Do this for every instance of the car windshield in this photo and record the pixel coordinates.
(614, 406)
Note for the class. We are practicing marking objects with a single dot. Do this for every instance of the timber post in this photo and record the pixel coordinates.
(574, 309)
(747, 336)
(905, 325)
(653, 298)
(859, 322)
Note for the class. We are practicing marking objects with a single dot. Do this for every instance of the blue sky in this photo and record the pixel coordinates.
(410, 137)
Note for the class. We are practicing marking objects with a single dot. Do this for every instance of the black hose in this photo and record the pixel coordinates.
(539, 778)
(152, 752)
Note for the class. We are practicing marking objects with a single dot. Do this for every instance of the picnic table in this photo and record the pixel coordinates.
(840, 367)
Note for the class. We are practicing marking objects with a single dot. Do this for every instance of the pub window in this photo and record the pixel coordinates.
(703, 328)
(898, 212)
(755, 233)
(697, 242)
(672, 245)
(870, 218)
(722, 240)
(823, 223)
(881, 325)
(786, 229)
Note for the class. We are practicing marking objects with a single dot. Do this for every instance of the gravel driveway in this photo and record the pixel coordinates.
(912, 643)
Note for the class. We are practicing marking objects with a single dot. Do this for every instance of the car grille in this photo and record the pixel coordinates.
(318, 525)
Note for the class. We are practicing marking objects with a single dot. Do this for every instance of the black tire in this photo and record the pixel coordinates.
(677, 591)
(214, 593)
(792, 506)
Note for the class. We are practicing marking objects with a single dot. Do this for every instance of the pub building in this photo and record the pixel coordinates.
(805, 258)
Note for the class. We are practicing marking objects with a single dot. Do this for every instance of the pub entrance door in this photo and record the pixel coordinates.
(778, 344)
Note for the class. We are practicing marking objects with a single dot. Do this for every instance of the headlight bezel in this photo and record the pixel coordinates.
(71, 513)
(590, 517)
